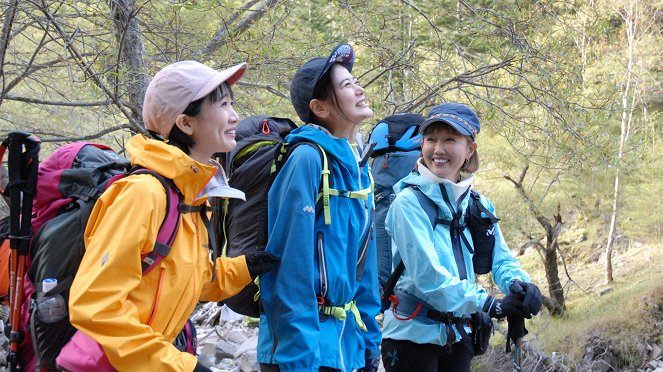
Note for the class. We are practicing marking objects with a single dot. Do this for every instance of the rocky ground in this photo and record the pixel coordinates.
(227, 343)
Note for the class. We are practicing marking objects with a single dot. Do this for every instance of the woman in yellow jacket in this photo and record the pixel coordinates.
(136, 317)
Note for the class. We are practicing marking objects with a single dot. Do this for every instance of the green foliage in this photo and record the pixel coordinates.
(545, 77)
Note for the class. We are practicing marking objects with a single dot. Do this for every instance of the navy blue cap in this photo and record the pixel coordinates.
(307, 77)
(459, 116)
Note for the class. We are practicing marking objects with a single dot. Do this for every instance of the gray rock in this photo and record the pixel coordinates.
(226, 349)
(656, 351)
(248, 362)
(236, 335)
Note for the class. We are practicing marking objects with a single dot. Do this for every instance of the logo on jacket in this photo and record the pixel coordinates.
(111, 155)
(490, 231)
(308, 210)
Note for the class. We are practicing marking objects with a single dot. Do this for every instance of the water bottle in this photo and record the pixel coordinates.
(50, 309)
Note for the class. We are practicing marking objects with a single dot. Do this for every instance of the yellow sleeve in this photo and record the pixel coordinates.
(232, 275)
(123, 224)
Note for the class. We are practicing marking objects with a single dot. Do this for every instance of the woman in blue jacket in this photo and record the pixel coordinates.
(427, 326)
(320, 305)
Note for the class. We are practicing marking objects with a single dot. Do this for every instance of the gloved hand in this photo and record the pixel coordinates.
(510, 305)
(201, 368)
(530, 294)
(260, 262)
(371, 365)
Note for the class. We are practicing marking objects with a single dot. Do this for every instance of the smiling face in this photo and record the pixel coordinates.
(349, 96)
(444, 151)
(213, 129)
(343, 105)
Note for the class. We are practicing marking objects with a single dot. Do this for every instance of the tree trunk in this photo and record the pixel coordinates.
(131, 55)
(556, 303)
(629, 16)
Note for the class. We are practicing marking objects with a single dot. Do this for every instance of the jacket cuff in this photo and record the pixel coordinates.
(372, 354)
(490, 300)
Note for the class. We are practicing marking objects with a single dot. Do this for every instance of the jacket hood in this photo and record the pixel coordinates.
(189, 176)
(337, 147)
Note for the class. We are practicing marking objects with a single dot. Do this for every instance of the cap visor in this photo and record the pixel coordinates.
(230, 75)
(458, 127)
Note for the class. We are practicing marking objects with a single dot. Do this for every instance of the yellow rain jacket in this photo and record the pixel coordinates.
(134, 318)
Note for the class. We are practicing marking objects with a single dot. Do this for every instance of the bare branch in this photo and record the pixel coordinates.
(4, 41)
(528, 201)
(566, 270)
(464, 77)
(267, 87)
(56, 103)
(90, 136)
(219, 38)
(87, 68)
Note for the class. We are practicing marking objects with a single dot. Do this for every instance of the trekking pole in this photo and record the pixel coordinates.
(515, 333)
(22, 167)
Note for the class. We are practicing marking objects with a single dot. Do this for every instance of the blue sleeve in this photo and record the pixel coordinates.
(368, 299)
(430, 267)
(288, 292)
(505, 267)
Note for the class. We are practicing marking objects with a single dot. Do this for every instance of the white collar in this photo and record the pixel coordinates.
(458, 188)
(218, 186)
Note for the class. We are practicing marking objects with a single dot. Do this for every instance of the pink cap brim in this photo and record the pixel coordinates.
(230, 75)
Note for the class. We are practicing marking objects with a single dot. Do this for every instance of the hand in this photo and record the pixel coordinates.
(530, 295)
(510, 306)
(371, 365)
(260, 262)
(201, 368)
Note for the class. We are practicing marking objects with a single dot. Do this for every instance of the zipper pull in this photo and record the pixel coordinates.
(386, 159)
(265, 127)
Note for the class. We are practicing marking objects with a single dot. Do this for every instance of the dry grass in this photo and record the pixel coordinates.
(628, 313)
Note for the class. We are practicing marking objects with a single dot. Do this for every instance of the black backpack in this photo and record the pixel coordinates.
(251, 167)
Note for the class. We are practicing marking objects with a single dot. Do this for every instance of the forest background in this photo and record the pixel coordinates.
(569, 94)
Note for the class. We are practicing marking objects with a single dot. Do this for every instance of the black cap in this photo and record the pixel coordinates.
(307, 77)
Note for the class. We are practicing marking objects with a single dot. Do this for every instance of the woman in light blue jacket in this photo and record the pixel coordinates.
(320, 305)
(427, 327)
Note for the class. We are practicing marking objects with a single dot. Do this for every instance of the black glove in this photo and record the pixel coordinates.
(510, 305)
(201, 368)
(530, 294)
(371, 365)
(260, 262)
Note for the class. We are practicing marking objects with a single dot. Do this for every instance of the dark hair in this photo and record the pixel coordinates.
(180, 139)
(324, 90)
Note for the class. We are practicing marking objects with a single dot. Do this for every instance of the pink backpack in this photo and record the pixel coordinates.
(69, 182)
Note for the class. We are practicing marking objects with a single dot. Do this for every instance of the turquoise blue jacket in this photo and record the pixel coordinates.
(431, 271)
(293, 334)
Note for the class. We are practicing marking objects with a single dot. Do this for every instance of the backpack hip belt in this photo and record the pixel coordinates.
(407, 307)
(340, 312)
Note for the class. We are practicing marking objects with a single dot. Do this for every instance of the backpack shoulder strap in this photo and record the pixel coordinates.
(430, 208)
(427, 205)
(325, 180)
(475, 203)
(170, 224)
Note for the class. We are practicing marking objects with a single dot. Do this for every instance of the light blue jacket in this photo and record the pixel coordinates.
(292, 332)
(431, 270)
